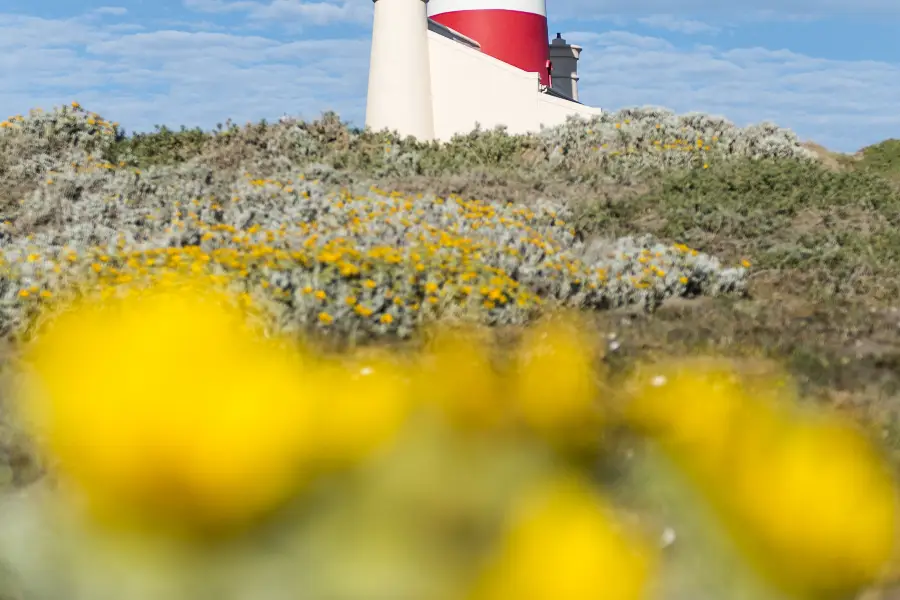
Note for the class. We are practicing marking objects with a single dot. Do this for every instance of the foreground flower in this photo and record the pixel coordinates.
(565, 544)
(698, 411)
(554, 381)
(808, 498)
(818, 509)
(364, 404)
(457, 377)
(164, 408)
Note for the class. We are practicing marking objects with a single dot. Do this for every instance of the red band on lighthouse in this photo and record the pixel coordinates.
(514, 31)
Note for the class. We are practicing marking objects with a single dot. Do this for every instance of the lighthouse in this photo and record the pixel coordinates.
(441, 68)
(514, 31)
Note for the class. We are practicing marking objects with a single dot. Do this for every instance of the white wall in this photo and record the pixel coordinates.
(553, 111)
(468, 86)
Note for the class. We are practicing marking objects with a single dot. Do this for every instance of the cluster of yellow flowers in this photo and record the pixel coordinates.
(382, 262)
(167, 411)
(656, 141)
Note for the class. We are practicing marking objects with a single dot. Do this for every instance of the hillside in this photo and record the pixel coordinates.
(677, 234)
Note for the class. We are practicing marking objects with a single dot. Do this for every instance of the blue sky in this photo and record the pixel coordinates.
(828, 69)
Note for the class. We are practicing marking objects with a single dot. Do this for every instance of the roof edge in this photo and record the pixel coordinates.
(557, 94)
(452, 34)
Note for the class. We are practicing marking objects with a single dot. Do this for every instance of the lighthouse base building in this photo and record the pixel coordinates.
(493, 66)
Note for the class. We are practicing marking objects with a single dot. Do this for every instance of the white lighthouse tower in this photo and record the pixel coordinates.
(399, 96)
(440, 68)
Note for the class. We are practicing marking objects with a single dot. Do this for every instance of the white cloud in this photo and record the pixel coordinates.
(183, 46)
(111, 10)
(315, 13)
(125, 27)
(841, 104)
(20, 32)
(290, 11)
(217, 6)
(768, 10)
(621, 39)
(673, 23)
(177, 77)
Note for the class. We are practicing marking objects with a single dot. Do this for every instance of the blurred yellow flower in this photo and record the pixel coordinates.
(564, 543)
(809, 499)
(818, 509)
(695, 409)
(554, 380)
(364, 403)
(457, 376)
(165, 408)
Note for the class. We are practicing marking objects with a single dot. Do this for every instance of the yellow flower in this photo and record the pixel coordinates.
(564, 543)
(817, 509)
(165, 410)
(696, 409)
(809, 500)
(367, 402)
(554, 380)
(457, 376)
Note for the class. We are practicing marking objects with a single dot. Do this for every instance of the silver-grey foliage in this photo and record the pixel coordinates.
(78, 207)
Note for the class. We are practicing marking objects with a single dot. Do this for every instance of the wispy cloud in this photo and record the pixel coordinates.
(289, 11)
(673, 23)
(218, 6)
(773, 10)
(176, 76)
(111, 10)
(841, 104)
